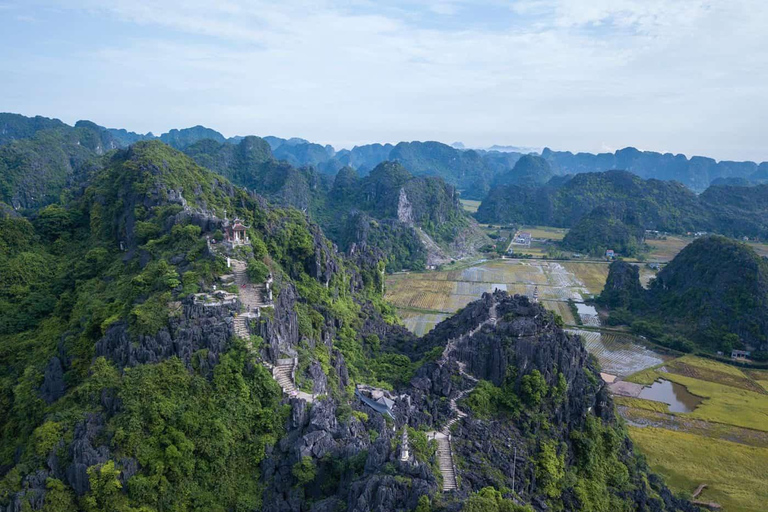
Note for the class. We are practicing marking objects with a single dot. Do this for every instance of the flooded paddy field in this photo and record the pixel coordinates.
(619, 354)
(446, 292)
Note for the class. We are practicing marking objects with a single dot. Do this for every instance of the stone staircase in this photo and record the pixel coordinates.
(283, 374)
(445, 462)
(253, 298)
(443, 437)
(241, 327)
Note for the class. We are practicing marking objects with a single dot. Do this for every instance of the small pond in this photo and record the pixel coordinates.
(584, 309)
(672, 393)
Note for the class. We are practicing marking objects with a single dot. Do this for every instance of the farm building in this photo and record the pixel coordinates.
(740, 354)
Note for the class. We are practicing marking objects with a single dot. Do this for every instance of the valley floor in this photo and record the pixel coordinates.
(722, 443)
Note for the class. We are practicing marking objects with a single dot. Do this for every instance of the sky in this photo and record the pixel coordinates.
(681, 76)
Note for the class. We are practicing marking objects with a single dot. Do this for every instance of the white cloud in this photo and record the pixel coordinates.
(572, 74)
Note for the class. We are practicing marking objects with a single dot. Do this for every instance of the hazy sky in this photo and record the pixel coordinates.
(686, 76)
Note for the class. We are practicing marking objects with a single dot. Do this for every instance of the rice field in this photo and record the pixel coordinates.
(447, 291)
(734, 473)
(619, 354)
(562, 309)
(665, 250)
(421, 323)
(545, 232)
(470, 205)
(723, 442)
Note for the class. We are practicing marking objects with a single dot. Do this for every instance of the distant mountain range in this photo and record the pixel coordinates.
(408, 221)
(472, 171)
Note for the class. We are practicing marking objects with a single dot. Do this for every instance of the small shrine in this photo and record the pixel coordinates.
(235, 232)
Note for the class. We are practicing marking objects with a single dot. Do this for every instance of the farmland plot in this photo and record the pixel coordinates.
(619, 354)
(421, 323)
(447, 291)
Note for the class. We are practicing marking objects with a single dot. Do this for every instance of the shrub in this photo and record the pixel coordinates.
(534, 388)
(257, 271)
(305, 470)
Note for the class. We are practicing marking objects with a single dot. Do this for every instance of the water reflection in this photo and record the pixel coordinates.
(672, 393)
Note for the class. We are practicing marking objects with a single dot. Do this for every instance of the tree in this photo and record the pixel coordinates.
(550, 469)
(424, 504)
(534, 388)
(58, 497)
(106, 490)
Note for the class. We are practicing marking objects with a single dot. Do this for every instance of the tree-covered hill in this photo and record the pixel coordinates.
(16, 126)
(662, 205)
(653, 204)
(98, 314)
(696, 173)
(737, 210)
(529, 171)
(603, 229)
(389, 199)
(714, 294)
(35, 171)
(132, 381)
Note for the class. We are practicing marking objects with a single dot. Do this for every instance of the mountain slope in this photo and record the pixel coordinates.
(713, 289)
(143, 382)
(661, 205)
(35, 171)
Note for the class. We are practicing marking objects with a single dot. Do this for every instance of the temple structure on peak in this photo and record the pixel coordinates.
(235, 232)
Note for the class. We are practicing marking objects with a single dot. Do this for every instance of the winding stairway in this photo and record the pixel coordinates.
(254, 298)
(443, 437)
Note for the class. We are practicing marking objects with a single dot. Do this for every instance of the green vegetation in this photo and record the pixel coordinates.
(689, 449)
(732, 472)
(713, 292)
(257, 271)
(200, 439)
(353, 211)
(601, 230)
(636, 203)
(304, 471)
(489, 499)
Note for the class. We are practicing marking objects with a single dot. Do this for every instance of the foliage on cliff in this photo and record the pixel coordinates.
(97, 316)
(714, 294)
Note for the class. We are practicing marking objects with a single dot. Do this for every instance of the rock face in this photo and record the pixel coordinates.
(53, 386)
(622, 288)
(197, 327)
(281, 331)
(500, 339)
(350, 464)
(404, 209)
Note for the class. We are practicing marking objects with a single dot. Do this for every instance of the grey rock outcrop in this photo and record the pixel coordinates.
(197, 327)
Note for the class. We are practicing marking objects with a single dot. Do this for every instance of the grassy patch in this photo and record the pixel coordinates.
(645, 377)
(665, 250)
(546, 232)
(734, 473)
(470, 205)
(709, 364)
(712, 371)
(640, 403)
